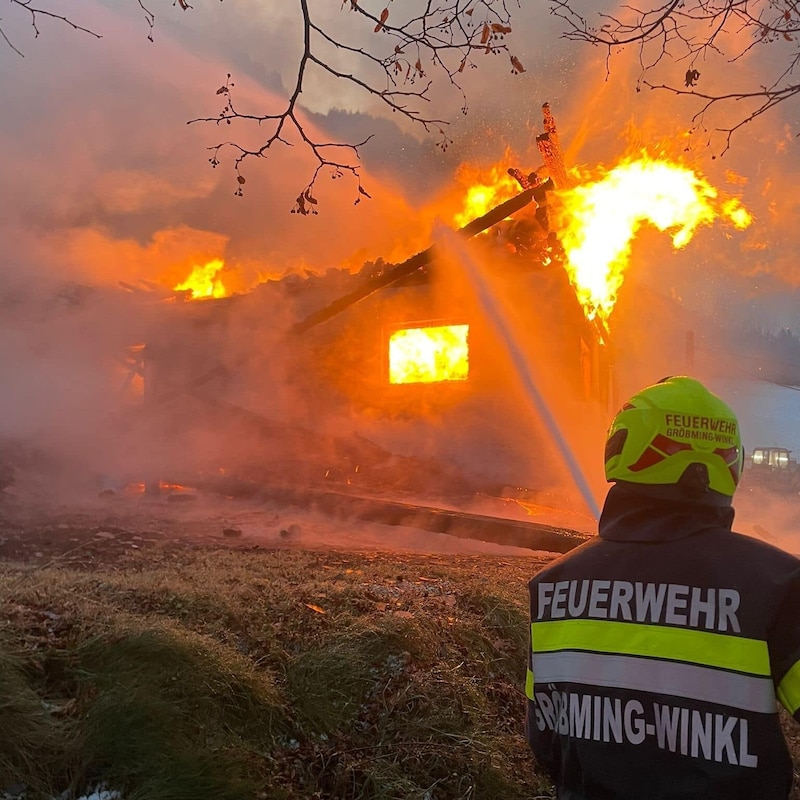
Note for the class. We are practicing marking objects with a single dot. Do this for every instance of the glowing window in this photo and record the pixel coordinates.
(429, 355)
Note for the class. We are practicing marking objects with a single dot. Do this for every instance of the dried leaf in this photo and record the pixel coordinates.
(384, 17)
(498, 28)
(517, 65)
(398, 49)
(462, 65)
(315, 608)
(222, 90)
(362, 190)
(240, 178)
(485, 33)
(469, 11)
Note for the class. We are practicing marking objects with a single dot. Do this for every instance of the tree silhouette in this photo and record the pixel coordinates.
(690, 33)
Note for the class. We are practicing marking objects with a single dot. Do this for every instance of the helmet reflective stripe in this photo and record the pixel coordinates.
(731, 456)
(651, 456)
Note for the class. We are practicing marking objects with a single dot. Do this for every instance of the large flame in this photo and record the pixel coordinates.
(598, 221)
(429, 355)
(204, 281)
(486, 188)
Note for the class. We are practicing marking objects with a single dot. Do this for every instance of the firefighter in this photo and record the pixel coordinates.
(661, 648)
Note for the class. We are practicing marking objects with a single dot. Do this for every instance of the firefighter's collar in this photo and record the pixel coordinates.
(630, 516)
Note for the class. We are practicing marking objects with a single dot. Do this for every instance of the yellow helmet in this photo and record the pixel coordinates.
(668, 432)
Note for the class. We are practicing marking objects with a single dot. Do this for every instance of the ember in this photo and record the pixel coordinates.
(429, 355)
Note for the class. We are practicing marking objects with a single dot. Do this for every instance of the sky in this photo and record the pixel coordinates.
(103, 181)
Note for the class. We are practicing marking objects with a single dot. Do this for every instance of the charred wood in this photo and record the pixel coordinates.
(550, 149)
(411, 265)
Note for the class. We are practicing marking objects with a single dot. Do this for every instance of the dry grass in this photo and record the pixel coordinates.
(283, 673)
(178, 674)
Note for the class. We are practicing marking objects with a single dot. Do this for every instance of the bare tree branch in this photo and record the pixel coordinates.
(442, 39)
(35, 12)
(395, 53)
(691, 32)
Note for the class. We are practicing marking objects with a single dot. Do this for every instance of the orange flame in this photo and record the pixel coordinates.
(203, 281)
(599, 220)
(429, 355)
(487, 188)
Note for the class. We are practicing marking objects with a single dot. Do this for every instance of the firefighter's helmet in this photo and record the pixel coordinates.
(676, 432)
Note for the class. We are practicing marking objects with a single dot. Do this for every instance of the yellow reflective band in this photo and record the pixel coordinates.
(529, 684)
(655, 641)
(789, 689)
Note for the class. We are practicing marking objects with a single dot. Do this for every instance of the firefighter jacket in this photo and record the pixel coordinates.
(659, 652)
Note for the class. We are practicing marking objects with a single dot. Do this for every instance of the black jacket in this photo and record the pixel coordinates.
(658, 651)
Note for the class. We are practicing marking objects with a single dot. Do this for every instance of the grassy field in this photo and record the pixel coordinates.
(237, 673)
(185, 672)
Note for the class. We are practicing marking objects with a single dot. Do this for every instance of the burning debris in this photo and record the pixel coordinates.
(550, 148)
(205, 281)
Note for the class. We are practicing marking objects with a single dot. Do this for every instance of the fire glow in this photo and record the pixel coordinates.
(204, 281)
(485, 191)
(599, 220)
(429, 355)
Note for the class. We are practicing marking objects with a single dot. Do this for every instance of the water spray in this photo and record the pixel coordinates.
(494, 313)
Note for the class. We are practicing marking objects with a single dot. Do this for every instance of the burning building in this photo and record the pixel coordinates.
(336, 377)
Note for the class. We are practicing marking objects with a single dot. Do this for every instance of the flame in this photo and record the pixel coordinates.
(140, 487)
(203, 281)
(487, 188)
(429, 355)
(172, 487)
(599, 220)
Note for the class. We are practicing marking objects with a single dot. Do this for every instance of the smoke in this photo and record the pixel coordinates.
(770, 516)
(108, 184)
